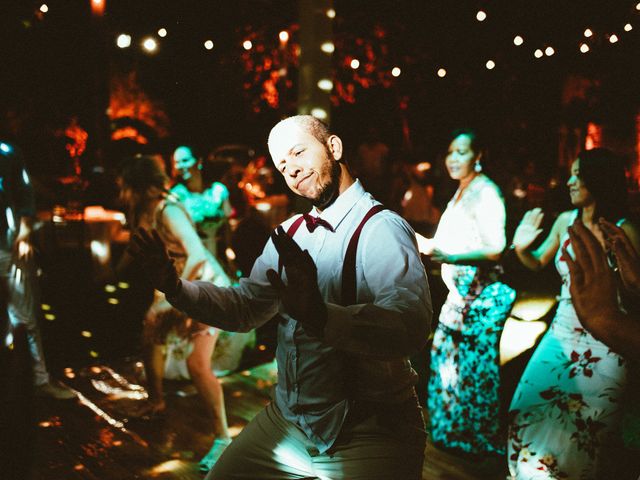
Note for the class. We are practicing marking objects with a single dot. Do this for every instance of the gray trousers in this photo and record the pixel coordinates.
(376, 443)
(24, 306)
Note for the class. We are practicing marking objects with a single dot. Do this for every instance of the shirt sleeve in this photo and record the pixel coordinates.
(396, 322)
(491, 217)
(239, 308)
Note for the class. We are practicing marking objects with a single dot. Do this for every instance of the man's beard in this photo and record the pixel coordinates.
(330, 190)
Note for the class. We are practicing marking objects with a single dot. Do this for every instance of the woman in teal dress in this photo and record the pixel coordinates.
(463, 390)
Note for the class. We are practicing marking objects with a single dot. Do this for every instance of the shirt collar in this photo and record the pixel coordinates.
(335, 213)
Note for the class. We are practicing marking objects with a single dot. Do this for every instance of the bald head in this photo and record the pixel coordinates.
(307, 123)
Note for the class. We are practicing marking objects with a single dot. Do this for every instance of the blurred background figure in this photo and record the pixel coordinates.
(16, 396)
(18, 262)
(417, 205)
(372, 164)
(144, 191)
(565, 416)
(463, 392)
(207, 205)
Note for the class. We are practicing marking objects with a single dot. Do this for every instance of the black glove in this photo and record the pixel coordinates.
(149, 249)
(301, 296)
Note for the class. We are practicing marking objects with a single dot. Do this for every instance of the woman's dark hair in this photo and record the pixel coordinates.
(143, 172)
(477, 144)
(603, 174)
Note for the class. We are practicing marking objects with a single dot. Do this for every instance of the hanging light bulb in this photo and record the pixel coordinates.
(328, 47)
(442, 72)
(518, 40)
(613, 38)
(123, 40)
(481, 16)
(584, 48)
(549, 51)
(150, 44)
(538, 53)
(588, 33)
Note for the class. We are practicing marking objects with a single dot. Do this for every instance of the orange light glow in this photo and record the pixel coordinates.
(78, 137)
(129, 132)
(98, 7)
(594, 136)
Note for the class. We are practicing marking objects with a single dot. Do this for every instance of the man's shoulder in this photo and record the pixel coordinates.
(387, 219)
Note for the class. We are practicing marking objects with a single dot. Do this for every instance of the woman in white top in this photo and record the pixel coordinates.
(564, 419)
(463, 400)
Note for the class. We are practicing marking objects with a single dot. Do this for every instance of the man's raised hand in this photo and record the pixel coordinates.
(149, 249)
(300, 296)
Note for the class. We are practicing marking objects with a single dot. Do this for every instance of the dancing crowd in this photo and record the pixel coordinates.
(346, 282)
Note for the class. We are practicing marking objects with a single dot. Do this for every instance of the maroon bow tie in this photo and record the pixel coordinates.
(315, 222)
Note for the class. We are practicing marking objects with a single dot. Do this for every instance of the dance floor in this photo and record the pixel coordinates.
(94, 437)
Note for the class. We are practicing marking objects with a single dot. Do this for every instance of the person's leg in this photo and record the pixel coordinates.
(268, 448)
(208, 385)
(210, 389)
(153, 368)
(387, 444)
(24, 308)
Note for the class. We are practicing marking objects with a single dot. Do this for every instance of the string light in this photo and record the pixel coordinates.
(328, 47)
(628, 27)
(613, 38)
(481, 16)
(208, 44)
(442, 72)
(538, 53)
(44, 8)
(331, 13)
(584, 48)
(490, 65)
(150, 44)
(123, 40)
(247, 45)
(588, 33)
(320, 113)
(283, 36)
(518, 40)
(355, 63)
(549, 51)
(638, 6)
(325, 84)
(162, 32)
(396, 71)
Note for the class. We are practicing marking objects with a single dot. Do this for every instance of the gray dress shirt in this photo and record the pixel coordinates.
(365, 350)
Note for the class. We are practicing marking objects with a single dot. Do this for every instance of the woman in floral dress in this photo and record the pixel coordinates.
(565, 414)
(463, 400)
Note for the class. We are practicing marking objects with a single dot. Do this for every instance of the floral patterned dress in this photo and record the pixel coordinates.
(566, 410)
(463, 399)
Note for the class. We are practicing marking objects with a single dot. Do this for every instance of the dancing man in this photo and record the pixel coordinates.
(354, 302)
